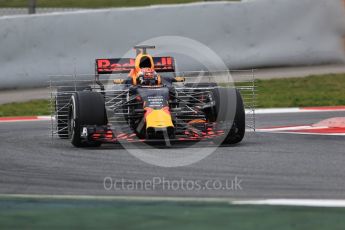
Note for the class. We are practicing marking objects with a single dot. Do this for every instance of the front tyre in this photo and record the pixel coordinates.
(238, 129)
(86, 108)
(62, 103)
(229, 109)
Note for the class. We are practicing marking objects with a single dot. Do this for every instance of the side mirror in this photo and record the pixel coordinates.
(119, 81)
(180, 79)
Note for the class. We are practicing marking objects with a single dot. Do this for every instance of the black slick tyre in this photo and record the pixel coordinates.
(86, 108)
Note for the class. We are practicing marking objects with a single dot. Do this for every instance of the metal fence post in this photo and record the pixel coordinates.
(32, 6)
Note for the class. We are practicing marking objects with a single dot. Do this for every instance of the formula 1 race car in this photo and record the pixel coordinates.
(150, 104)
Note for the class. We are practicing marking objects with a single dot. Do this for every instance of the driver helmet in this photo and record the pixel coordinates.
(148, 77)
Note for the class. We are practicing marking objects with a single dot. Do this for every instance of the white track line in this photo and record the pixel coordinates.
(23, 119)
(292, 110)
(44, 117)
(278, 202)
(295, 202)
(285, 128)
(276, 110)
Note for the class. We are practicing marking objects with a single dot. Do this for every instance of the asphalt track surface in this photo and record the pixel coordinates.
(269, 165)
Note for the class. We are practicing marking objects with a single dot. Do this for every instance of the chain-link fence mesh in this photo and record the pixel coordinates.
(23, 7)
(22, 11)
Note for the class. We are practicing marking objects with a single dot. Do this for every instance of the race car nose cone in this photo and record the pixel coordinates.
(160, 133)
(158, 119)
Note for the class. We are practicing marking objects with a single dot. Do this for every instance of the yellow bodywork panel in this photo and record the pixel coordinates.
(158, 119)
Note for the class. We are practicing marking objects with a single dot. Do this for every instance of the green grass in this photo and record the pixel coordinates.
(36, 107)
(325, 90)
(89, 3)
(92, 214)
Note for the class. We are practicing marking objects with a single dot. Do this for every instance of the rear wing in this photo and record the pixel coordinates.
(125, 65)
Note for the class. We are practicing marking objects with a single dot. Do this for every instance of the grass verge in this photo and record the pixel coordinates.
(325, 90)
(31, 108)
(90, 3)
(95, 214)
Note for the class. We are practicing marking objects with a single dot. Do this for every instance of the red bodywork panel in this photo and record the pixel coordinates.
(125, 65)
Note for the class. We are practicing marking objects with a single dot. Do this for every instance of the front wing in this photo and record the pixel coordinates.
(108, 134)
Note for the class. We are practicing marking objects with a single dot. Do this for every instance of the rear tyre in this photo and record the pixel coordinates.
(229, 110)
(62, 103)
(86, 108)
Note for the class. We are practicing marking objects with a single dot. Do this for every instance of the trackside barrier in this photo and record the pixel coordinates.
(246, 34)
